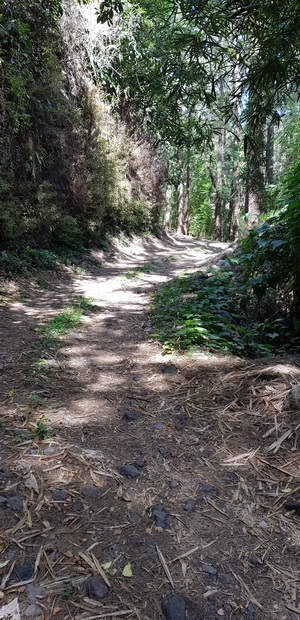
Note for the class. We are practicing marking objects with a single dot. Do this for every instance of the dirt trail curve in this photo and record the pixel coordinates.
(154, 499)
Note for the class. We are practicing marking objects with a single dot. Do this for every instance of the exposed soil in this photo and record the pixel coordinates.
(204, 518)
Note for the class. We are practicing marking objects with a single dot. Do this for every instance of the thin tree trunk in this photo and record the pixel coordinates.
(187, 193)
(234, 206)
(168, 208)
(217, 183)
(180, 198)
(270, 155)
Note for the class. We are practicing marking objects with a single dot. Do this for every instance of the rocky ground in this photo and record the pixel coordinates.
(168, 488)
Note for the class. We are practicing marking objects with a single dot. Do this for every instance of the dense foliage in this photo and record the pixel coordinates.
(69, 171)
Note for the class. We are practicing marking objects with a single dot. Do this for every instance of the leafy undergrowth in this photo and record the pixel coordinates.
(219, 311)
(68, 319)
(26, 261)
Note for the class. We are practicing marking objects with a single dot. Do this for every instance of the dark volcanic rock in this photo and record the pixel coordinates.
(225, 578)
(293, 503)
(132, 416)
(169, 369)
(97, 589)
(189, 505)
(174, 607)
(3, 500)
(139, 462)
(130, 471)
(232, 476)
(160, 516)
(210, 570)
(255, 560)
(15, 502)
(206, 488)
(23, 572)
(59, 495)
(162, 451)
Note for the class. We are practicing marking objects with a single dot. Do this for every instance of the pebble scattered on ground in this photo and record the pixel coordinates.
(189, 505)
(130, 471)
(132, 416)
(23, 572)
(15, 502)
(160, 516)
(60, 495)
(174, 607)
(97, 589)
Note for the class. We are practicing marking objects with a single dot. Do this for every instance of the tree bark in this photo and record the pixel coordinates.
(168, 208)
(270, 155)
(180, 198)
(186, 221)
(255, 181)
(234, 203)
(217, 183)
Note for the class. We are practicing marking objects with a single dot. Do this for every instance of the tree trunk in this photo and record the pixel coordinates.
(168, 208)
(234, 203)
(180, 198)
(270, 155)
(217, 183)
(255, 181)
(186, 221)
(232, 227)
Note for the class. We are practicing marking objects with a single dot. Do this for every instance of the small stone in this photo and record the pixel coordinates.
(22, 468)
(173, 484)
(225, 578)
(133, 516)
(33, 591)
(293, 503)
(49, 450)
(77, 506)
(206, 488)
(31, 451)
(158, 426)
(189, 505)
(162, 451)
(210, 570)
(90, 492)
(15, 502)
(23, 572)
(129, 494)
(232, 476)
(263, 525)
(97, 589)
(169, 369)
(130, 471)
(32, 610)
(174, 607)
(292, 400)
(4, 471)
(160, 516)
(132, 416)
(59, 495)
(139, 462)
(3, 501)
(255, 559)
(250, 612)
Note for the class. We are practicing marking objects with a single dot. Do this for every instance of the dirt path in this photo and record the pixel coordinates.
(189, 522)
